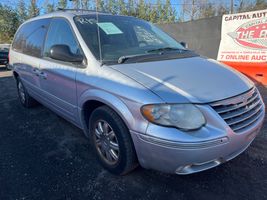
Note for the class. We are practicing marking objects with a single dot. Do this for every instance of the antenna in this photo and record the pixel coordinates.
(98, 32)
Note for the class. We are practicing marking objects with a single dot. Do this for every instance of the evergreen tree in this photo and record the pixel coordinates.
(169, 13)
(111, 6)
(33, 10)
(21, 10)
(172, 16)
(153, 14)
(100, 5)
(62, 4)
(122, 7)
(141, 9)
(50, 8)
(131, 8)
(161, 12)
(9, 23)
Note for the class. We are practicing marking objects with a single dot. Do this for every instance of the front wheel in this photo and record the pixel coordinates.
(111, 141)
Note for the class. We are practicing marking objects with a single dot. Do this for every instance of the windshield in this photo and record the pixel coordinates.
(122, 36)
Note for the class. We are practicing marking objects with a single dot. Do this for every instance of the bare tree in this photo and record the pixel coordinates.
(222, 9)
(190, 9)
(206, 9)
(76, 4)
(260, 5)
(85, 4)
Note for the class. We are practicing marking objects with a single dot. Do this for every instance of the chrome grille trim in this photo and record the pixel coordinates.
(237, 113)
(242, 111)
(238, 105)
(246, 124)
(235, 120)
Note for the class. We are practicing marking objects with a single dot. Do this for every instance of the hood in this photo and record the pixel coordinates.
(196, 80)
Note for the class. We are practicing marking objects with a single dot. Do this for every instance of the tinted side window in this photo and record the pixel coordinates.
(60, 32)
(31, 36)
(19, 38)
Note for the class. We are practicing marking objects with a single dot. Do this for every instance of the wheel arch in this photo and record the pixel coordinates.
(92, 99)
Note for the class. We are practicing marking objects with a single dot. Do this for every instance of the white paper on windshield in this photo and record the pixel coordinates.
(109, 28)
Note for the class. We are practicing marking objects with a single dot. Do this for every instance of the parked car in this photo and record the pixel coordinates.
(4, 50)
(139, 95)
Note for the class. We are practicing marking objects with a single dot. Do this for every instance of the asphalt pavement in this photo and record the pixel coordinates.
(42, 156)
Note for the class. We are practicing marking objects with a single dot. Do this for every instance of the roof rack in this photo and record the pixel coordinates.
(80, 10)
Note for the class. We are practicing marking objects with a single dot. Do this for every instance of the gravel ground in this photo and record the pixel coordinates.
(42, 156)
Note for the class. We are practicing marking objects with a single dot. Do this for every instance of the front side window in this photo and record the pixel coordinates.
(110, 37)
(60, 33)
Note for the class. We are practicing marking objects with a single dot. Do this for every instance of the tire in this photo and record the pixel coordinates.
(25, 99)
(114, 135)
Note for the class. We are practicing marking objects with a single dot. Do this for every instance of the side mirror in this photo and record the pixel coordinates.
(62, 52)
(184, 44)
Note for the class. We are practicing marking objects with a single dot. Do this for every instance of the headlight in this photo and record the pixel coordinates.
(183, 116)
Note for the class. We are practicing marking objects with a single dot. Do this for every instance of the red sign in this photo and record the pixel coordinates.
(244, 43)
(252, 34)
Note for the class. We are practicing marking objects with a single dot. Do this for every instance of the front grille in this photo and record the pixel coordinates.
(242, 111)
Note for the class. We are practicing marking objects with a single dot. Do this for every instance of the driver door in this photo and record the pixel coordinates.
(57, 78)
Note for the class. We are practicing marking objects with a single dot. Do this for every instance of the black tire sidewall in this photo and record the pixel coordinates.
(119, 129)
(20, 82)
(28, 101)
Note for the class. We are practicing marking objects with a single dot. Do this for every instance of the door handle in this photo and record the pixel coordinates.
(36, 71)
(43, 75)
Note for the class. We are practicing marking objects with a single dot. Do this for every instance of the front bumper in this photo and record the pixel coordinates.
(184, 157)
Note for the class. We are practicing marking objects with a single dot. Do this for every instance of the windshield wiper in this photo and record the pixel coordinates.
(122, 59)
(184, 53)
(166, 49)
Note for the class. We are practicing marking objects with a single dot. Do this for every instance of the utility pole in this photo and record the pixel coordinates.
(232, 6)
(193, 10)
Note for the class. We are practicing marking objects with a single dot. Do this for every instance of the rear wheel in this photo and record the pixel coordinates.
(25, 99)
(111, 141)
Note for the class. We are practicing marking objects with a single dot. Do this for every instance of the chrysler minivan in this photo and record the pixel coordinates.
(140, 96)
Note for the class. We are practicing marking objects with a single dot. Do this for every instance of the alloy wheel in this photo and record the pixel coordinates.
(106, 142)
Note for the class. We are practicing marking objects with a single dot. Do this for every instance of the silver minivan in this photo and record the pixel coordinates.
(139, 95)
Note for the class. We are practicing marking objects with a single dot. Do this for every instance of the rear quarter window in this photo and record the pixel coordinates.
(30, 37)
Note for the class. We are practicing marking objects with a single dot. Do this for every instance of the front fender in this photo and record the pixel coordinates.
(117, 104)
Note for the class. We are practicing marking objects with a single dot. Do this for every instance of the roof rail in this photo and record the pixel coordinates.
(80, 10)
